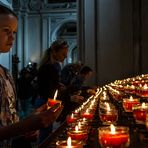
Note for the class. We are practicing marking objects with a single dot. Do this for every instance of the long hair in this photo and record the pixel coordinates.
(55, 46)
(46, 59)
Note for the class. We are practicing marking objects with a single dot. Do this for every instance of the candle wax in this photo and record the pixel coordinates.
(139, 115)
(108, 117)
(127, 105)
(52, 102)
(143, 93)
(74, 144)
(114, 140)
(87, 115)
(70, 119)
(78, 136)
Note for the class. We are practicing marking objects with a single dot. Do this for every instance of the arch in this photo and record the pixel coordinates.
(71, 38)
(59, 26)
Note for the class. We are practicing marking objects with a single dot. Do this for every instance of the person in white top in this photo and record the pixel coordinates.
(10, 126)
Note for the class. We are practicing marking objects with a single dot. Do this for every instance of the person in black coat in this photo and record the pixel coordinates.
(48, 76)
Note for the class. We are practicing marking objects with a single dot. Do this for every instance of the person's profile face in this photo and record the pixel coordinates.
(8, 28)
(61, 54)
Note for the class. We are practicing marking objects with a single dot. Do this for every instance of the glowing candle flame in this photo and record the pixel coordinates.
(131, 98)
(69, 142)
(112, 127)
(72, 116)
(108, 107)
(55, 95)
(132, 87)
(79, 124)
(143, 105)
(145, 86)
(87, 111)
(84, 119)
(76, 111)
(76, 128)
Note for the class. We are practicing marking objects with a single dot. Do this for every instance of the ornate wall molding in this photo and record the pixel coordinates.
(35, 4)
(48, 22)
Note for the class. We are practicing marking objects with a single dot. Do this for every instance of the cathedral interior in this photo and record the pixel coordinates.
(109, 36)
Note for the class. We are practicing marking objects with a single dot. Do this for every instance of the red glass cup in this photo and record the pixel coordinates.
(118, 139)
(74, 144)
(88, 114)
(139, 113)
(80, 134)
(52, 102)
(109, 118)
(129, 103)
(108, 114)
(71, 118)
(143, 90)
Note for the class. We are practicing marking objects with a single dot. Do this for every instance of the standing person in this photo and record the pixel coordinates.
(48, 76)
(10, 125)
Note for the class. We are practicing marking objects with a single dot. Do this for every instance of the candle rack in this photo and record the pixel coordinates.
(138, 133)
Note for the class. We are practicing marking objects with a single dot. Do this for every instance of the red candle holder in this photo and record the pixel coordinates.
(117, 139)
(143, 90)
(81, 126)
(108, 113)
(109, 118)
(87, 114)
(83, 121)
(139, 113)
(52, 102)
(78, 134)
(71, 118)
(73, 144)
(129, 103)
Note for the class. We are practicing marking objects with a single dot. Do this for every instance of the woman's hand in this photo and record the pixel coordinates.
(47, 117)
(77, 98)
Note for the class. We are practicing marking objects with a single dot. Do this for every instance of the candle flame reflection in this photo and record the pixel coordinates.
(55, 95)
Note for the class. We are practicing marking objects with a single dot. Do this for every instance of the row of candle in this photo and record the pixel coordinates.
(120, 138)
(134, 105)
(114, 136)
(79, 123)
(111, 136)
(137, 85)
(108, 113)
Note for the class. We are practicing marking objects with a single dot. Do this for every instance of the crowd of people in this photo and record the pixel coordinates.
(36, 84)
